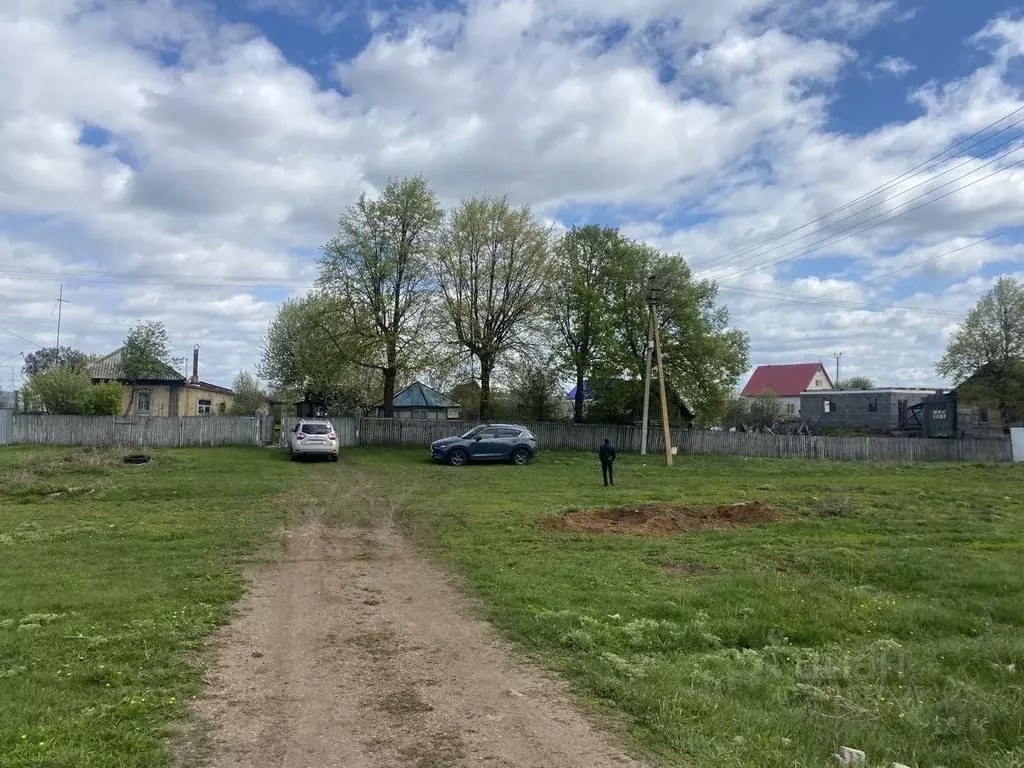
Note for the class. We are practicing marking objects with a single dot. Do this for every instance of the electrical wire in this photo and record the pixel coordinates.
(796, 298)
(904, 268)
(931, 162)
(19, 336)
(882, 202)
(847, 234)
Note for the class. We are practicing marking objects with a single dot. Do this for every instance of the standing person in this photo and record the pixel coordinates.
(607, 456)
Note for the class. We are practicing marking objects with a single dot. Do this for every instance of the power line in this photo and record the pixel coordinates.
(882, 202)
(904, 268)
(811, 248)
(99, 276)
(19, 336)
(796, 298)
(41, 323)
(908, 174)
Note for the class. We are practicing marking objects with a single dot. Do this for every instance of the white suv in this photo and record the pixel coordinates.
(313, 437)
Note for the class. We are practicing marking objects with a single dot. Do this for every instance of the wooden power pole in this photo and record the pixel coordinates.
(648, 352)
(664, 400)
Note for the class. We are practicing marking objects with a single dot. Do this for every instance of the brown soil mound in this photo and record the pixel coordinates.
(660, 519)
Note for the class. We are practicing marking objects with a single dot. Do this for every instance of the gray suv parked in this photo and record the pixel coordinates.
(488, 442)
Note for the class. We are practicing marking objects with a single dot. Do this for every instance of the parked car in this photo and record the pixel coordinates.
(313, 437)
(487, 442)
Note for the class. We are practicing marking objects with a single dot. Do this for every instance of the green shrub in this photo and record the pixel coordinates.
(105, 399)
(69, 390)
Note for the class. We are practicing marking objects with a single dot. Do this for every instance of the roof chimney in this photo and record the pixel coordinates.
(195, 365)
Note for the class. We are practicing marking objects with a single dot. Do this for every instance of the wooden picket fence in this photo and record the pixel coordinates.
(195, 431)
(408, 433)
(138, 431)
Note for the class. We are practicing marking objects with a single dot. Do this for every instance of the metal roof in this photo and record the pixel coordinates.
(588, 393)
(784, 380)
(109, 367)
(419, 395)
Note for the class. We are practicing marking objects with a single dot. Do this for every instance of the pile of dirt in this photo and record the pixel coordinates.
(659, 519)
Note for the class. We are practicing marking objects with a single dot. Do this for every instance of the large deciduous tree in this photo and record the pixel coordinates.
(378, 264)
(145, 354)
(306, 352)
(492, 266)
(534, 390)
(48, 358)
(986, 353)
(578, 300)
(704, 357)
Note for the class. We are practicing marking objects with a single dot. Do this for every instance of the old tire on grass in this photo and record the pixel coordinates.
(137, 459)
(458, 457)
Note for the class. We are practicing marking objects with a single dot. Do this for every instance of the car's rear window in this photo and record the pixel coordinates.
(316, 429)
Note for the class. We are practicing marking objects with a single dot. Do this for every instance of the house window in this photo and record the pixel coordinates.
(939, 414)
(222, 407)
(790, 408)
(205, 408)
(831, 406)
(873, 404)
(142, 401)
(983, 415)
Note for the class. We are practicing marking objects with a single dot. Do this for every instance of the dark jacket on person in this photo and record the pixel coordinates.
(607, 453)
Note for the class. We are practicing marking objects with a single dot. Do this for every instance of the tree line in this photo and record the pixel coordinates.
(487, 292)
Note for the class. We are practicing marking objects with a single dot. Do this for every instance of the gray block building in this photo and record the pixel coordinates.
(874, 410)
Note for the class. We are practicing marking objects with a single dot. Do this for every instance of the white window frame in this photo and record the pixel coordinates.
(204, 408)
(139, 394)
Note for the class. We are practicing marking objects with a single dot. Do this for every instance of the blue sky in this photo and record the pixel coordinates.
(219, 143)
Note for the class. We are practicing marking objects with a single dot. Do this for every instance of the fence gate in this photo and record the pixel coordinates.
(6, 426)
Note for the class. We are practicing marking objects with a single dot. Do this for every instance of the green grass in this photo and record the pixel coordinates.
(110, 579)
(885, 612)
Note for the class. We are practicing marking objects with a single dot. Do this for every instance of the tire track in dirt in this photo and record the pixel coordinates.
(353, 651)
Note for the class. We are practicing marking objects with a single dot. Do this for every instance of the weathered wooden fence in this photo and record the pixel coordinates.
(588, 437)
(139, 431)
(842, 448)
(6, 421)
(195, 431)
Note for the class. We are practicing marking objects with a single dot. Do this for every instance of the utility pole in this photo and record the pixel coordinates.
(648, 353)
(837, 355)
(60, 307)
(654, 295)
(666, 432)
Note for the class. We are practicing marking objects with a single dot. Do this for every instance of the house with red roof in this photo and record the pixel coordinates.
(788, 382)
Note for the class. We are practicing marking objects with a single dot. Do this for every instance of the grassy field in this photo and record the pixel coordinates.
(110, 577)
(883, 612)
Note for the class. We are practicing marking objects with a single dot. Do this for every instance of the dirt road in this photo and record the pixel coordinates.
(354, 651)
